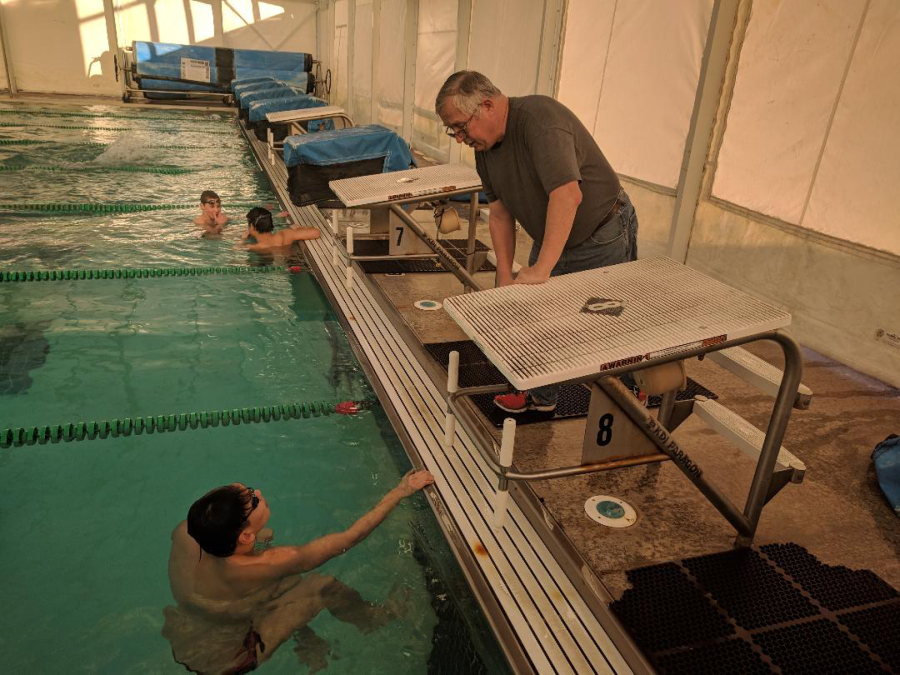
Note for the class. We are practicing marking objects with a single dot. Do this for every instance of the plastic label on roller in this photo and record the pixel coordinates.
(195, 69)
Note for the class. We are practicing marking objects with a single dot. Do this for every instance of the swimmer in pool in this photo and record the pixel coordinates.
(236, 606)
(211, 218)
(261, 228)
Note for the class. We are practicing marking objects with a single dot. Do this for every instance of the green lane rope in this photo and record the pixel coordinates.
(89, 431)
(40, 111)
(85, 167)
(130, 273)
(69, 126)
(30, 141)
(112, 208)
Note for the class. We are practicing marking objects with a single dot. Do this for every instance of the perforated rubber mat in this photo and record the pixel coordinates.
(455, 247)
(475, 370)
(773, 609)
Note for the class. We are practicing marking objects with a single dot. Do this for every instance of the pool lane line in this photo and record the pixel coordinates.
(69, 126)
(33, 141)
(130, 169)
(88, 431)
(114, 208)
(137, 273)
(39, 111)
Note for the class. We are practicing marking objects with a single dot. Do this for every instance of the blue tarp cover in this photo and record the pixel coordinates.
(160, 58)
(250, 80)
(267, 94)
(347, 145)
(243, 89)
(887, 468)
(258, 109)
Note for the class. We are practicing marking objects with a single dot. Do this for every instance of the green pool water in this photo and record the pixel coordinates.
(86, 524)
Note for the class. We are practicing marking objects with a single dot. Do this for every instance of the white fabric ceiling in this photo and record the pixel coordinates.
(630, 72)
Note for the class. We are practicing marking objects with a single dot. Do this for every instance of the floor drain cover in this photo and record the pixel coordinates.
(610, 511)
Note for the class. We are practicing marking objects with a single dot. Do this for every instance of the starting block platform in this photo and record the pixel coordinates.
(645, 316)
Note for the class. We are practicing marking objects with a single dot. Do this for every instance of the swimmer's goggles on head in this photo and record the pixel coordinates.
(254, 500)
(217, 202)
(259, 216)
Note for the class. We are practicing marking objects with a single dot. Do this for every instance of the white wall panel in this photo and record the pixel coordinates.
(361, 105)
(855, 192)
(59, 46)
(649, 86)
(391, 62)
(505, 42)
(584, 56)
(791, 65)
(339, 74)
(435, 60)
(282, 25)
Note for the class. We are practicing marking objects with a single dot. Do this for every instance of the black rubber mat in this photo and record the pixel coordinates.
(455, 247)
(475, 370)
(773, 609)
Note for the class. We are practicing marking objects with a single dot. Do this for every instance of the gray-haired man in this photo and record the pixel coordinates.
(540, 166)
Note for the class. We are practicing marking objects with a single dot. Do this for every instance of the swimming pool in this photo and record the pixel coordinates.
(87, 523)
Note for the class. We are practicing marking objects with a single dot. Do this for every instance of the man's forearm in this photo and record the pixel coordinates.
(363, 527)
(561, 211)
(503, 239)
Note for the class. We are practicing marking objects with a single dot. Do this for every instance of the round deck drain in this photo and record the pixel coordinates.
(428, 305)
(610, 511)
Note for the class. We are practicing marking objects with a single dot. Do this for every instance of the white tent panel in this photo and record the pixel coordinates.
(505, 43)
(790, 70)
(435, 61)
(389, 69)
(855, 193)
(649, 85)
(584, 56)
(339, 75)
(361, 106)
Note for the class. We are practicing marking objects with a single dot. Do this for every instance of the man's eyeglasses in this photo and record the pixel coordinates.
(211, 202)
(254, 500)
(455, 131)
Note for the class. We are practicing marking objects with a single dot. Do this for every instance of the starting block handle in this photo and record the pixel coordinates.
(506, 454)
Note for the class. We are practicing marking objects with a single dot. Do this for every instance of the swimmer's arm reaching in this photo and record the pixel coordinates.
(296, 559)
(299, 233)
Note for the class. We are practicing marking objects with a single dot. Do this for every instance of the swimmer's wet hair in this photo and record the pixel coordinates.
(217, 519)
(206, 195)
(261, 219)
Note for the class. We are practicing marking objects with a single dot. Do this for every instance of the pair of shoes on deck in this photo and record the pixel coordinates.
(521, 401)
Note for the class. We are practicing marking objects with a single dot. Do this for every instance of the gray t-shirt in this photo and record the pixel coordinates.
(545, 147)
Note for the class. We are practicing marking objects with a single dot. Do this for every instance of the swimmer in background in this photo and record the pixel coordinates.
(211, 219)
(261, 228)
(237, 605)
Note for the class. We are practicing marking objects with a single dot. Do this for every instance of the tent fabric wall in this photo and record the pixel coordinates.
(361, 104)
(811, 137)
(59, 46)
(642, 75)
(791, 67)
(435, 61)
(285, 25)
(388, 84)
(854, 196)
(339, 64)
(503, 28)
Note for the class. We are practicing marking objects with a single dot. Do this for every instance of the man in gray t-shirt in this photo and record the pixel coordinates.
(539, 166)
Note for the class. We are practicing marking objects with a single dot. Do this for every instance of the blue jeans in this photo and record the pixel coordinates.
(613, 243)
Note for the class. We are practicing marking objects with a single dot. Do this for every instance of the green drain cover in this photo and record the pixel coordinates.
(610, 511)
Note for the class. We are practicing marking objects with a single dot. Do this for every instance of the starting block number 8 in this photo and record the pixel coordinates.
(605, 432)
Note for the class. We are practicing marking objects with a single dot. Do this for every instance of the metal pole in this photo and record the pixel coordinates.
(666, 407)
(781, 413)
(7, 56)
(473, 224)
(448, 260)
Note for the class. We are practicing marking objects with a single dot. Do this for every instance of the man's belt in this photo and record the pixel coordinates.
(616, 208)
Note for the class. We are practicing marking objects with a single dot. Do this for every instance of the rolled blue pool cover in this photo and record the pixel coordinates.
(250, 80)
(259, 109)
(268, 94)
(266, 85)
(217, 65)
(347, 145)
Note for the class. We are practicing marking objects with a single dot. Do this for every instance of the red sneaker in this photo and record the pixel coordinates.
(520, 401)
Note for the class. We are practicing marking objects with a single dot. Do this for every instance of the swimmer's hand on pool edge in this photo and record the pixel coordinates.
(282, 561)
